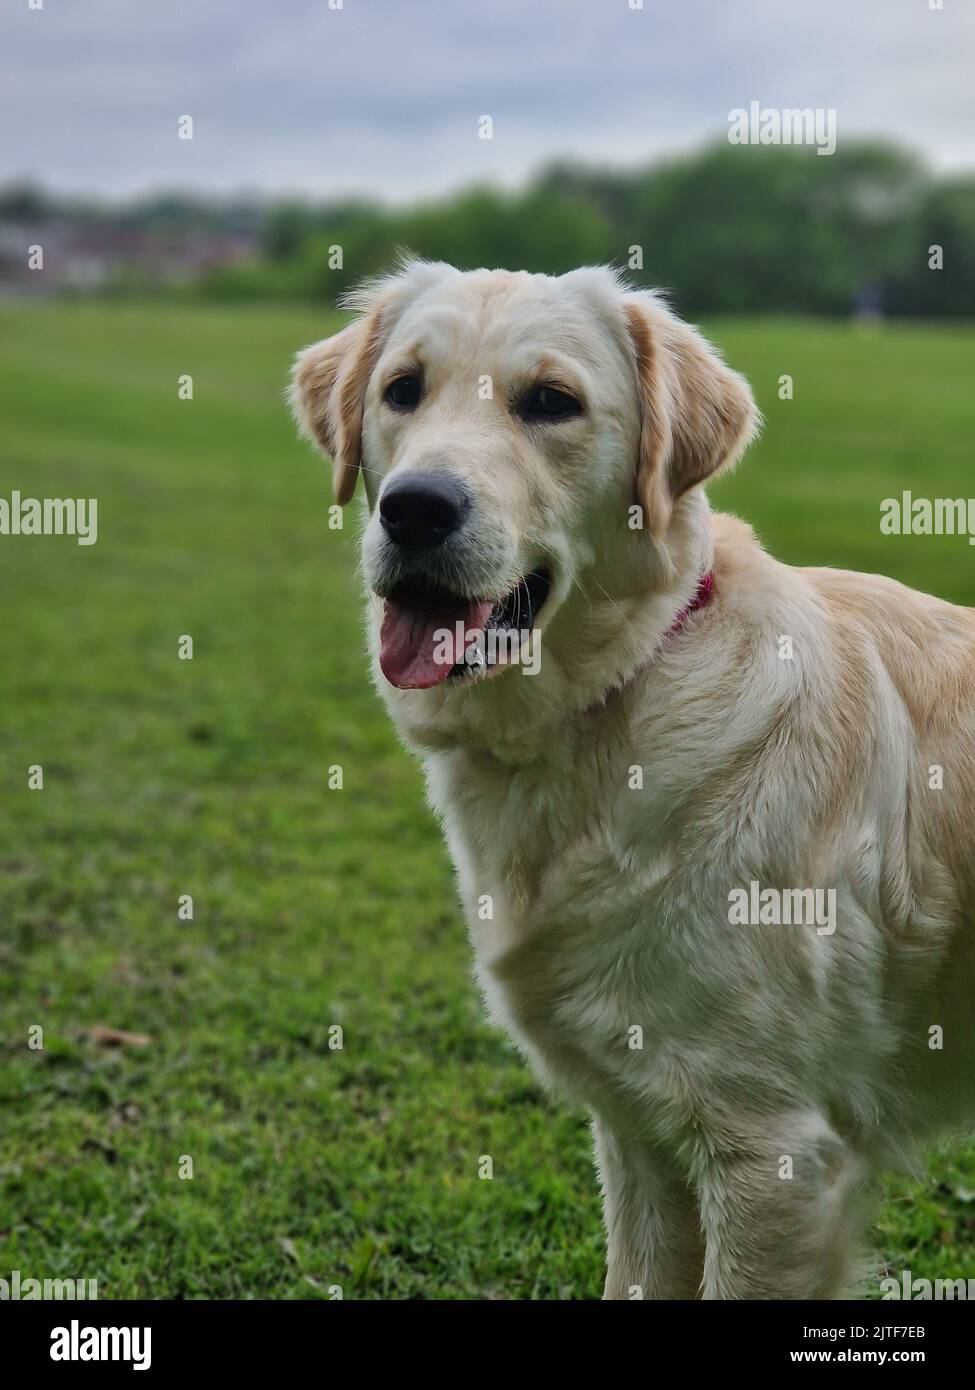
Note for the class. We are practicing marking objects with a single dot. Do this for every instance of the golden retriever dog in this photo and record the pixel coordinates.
(713, 817)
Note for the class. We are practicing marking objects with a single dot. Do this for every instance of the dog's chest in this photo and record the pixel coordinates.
(554, 899)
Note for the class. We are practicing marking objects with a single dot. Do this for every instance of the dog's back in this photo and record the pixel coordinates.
(926, 649)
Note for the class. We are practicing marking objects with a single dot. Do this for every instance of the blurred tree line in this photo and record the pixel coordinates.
(734, 229)
(728, 229)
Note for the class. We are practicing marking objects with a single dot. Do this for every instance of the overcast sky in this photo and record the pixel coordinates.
(383, 96)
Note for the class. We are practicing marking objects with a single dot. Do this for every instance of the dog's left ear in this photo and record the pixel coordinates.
(698, 416)
(327, 389)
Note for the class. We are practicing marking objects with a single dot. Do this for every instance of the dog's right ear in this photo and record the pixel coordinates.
(328, 385)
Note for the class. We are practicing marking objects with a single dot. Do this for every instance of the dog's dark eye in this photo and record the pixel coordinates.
(403, 393)
(547, 403)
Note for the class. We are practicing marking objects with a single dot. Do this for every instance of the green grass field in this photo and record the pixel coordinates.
(313, 907)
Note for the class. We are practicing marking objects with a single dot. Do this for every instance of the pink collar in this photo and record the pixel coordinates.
(703, 595)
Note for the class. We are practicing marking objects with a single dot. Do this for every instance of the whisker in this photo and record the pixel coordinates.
(577, 582)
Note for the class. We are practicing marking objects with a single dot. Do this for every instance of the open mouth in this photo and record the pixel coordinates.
(430, 634)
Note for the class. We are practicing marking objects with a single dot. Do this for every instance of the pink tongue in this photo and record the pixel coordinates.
(414, 652)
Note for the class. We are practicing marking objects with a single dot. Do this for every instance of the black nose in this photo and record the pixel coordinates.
(420, 509)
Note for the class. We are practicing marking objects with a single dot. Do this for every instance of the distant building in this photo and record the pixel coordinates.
(86, 257)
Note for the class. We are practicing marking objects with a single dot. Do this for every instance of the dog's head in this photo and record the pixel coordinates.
(526, 442)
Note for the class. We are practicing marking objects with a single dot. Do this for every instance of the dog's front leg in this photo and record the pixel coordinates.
(654, 1244)
(778, 1201)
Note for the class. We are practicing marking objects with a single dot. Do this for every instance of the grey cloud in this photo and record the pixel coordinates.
(382, 96)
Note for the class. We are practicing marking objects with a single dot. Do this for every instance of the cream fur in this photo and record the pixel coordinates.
(610, 904)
